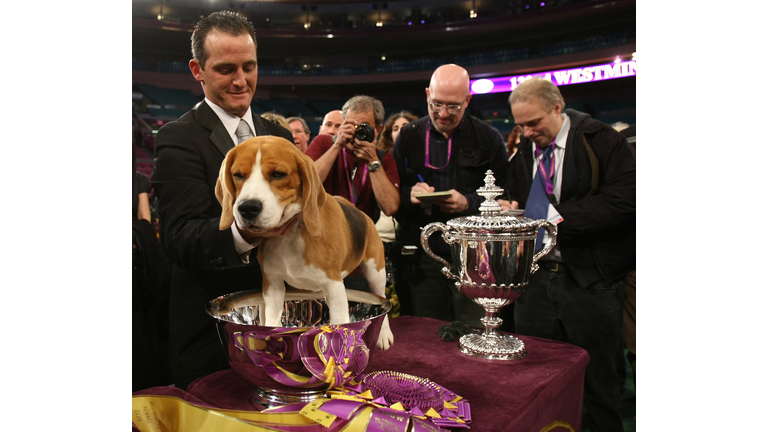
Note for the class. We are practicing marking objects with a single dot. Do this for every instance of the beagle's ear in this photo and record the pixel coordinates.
(313, 194)
(225, 191)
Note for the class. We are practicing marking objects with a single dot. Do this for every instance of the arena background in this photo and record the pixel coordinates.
(314, 56)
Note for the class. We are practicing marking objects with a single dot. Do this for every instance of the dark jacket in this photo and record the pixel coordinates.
(597, 200)
(188, 156)
(477, 148)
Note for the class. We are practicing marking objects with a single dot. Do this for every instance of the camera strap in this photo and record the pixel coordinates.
(353, 195)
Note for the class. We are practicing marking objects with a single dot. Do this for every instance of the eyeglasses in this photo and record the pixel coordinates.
(452, 108)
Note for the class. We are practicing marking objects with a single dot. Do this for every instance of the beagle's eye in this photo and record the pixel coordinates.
(238, 176)
(277, 175)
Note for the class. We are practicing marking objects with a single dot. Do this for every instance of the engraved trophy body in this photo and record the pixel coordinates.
(493, 256)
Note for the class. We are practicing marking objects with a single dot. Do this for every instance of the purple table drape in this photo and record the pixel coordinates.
(543, 391)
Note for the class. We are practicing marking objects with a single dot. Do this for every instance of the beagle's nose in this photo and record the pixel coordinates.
(250, 209)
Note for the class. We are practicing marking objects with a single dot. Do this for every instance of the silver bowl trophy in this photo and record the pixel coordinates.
(307, 356)
(493, 255)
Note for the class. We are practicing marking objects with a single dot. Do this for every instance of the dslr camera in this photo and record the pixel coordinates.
(364, 132)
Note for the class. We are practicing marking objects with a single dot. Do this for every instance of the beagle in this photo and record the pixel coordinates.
(264, 183)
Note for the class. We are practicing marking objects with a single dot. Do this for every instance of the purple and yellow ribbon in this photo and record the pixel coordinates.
(383, 402)
(331, 355)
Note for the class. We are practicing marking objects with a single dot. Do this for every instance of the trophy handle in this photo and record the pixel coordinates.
(552, 228)
(428, 231)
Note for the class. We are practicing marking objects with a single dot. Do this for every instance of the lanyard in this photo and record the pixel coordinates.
(426, 150)
(547, 175)
(350, 181)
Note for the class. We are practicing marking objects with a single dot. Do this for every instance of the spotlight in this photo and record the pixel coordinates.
(379, 24)
(472, 14)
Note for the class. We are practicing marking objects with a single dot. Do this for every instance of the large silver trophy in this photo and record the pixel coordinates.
(493, 256)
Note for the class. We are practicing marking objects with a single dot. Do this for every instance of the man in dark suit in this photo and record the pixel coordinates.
(447, 150)
(207, 262)
(579, 173)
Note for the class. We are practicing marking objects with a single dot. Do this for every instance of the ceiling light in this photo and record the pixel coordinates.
(330, 36)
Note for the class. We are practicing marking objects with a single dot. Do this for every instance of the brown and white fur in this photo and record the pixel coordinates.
(263, 183)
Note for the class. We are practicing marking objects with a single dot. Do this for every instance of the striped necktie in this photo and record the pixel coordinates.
(243, 131)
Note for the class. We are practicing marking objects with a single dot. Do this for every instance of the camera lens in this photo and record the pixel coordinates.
(364, 132)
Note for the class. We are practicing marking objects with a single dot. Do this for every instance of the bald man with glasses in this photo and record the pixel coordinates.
(448, 150)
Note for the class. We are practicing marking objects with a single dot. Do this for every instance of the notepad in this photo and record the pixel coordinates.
(433, 194)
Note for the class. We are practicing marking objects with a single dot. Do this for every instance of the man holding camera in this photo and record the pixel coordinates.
(352, 167)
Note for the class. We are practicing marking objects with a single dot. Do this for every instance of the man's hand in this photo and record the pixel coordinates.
(456, 203)
(346, 136)
(280, 231)
(363, 150)
(420, 188)
(508, 205)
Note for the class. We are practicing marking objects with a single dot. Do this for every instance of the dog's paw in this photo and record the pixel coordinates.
(386, 338)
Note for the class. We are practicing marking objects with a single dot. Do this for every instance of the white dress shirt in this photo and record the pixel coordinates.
(231, 123)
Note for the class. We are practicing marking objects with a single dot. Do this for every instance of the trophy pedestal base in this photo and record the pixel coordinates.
(492, 346)
(262, 399)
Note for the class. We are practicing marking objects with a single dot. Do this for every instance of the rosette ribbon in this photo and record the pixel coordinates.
(331, 355)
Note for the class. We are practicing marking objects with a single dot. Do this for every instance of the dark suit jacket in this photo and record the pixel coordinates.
(188, 156)
(597, 200)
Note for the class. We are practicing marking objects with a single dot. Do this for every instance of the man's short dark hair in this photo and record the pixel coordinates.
(304, 124)
(223, 21)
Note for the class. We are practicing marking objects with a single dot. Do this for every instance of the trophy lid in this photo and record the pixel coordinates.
(491, 219)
